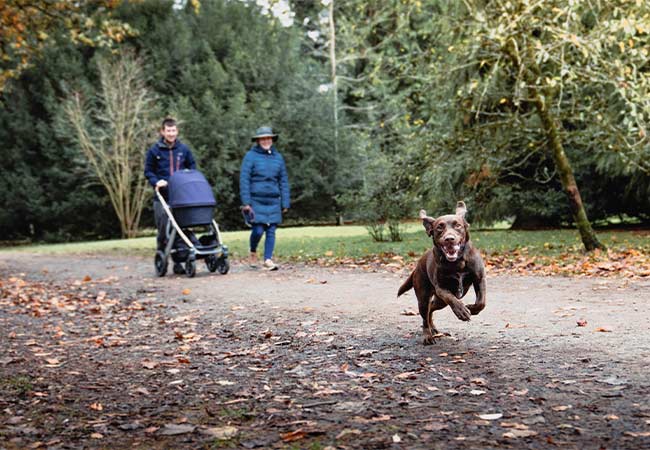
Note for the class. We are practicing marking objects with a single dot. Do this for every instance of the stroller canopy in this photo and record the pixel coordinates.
(189, 188)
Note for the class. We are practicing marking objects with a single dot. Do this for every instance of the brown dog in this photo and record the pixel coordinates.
(445, 272)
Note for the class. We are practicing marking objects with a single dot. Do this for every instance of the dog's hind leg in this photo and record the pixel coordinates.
(427, 305)
(435, 305)
(424, 306)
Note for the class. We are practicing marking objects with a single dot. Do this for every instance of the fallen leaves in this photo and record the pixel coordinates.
(628, 263)
(264, 376)
(620, 262)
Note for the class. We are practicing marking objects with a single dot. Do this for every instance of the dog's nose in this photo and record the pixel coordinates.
(450, 238)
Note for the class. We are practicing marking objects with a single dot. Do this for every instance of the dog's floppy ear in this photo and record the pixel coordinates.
(427, 222)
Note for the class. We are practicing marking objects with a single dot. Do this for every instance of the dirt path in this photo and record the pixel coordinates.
(309, 358)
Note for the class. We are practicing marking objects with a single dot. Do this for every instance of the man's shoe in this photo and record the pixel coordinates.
(252, 260)
(270, 265)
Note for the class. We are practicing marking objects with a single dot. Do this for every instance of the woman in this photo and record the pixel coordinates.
(264, 192)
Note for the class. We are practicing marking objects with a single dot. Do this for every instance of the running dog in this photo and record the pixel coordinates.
(445, 272)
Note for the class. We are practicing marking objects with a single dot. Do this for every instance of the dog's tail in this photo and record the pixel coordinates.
(408, 284)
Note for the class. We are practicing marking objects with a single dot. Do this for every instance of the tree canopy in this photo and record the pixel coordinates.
(383, 108)
(26, 26)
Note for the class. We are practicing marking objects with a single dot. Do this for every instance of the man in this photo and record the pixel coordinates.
(165, 157)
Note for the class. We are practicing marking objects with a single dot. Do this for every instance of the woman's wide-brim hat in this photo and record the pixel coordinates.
(264, 132)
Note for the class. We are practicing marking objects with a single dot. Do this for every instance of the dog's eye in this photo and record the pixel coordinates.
(457, 225)
(441, 226)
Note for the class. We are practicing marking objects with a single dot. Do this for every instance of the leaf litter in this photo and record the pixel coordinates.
(135, 372)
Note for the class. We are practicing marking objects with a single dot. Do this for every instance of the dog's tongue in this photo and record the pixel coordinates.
(451, 252)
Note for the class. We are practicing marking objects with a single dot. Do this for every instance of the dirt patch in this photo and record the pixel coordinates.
(98, 353)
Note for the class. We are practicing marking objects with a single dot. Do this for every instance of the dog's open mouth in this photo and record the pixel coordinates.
(451, 251)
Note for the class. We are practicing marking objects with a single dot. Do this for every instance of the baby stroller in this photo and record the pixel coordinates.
(191, 204)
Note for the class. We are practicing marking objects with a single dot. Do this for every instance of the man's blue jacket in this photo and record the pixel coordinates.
(162, 161)
(264, 184)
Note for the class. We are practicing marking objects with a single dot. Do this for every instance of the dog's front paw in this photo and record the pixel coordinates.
(428, 340)
(475, 309)
(427, 336)
(462, 312)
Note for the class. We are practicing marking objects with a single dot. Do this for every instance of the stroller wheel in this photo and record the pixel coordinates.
(190, 267)
(212, 263)
(160, 262)
(223, 266)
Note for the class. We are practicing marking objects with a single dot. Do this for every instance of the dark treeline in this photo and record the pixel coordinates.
(222, 73)
(423, 117)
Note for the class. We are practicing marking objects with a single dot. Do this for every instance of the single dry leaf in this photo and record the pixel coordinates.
(149, 364)
(479, 381)
(406, 376)
(519, 434)
(172, 429)
(515, 425)
(561, 408)
(347, 431)
(186, 291)
(293, 435)
(493, 416)
(223, 433)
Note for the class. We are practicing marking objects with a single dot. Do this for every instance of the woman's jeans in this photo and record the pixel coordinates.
(269, 243)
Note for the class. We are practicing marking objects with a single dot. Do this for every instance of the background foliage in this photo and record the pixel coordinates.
(428, 111)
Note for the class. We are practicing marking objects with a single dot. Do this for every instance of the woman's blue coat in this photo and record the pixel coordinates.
(264, 184)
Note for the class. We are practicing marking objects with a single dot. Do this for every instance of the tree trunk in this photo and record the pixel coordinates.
(531, 74)
(569, 185)
(335, 87)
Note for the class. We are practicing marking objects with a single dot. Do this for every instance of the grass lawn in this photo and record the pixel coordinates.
(331, 242)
